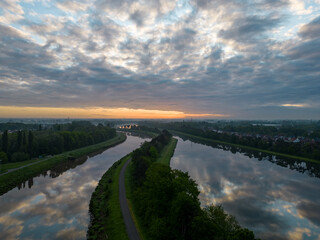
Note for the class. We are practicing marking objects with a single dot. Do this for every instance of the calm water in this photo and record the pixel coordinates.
(55, 204)
(277, 199)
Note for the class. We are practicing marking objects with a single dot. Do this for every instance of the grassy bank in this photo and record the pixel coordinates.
(7, 166)
(104, 208)
(11, 180)
(168, 152)
(164, 158)
(142, 132)
(246, 147)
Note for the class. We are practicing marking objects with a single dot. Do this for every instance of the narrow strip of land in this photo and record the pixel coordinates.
(127, 218)
(106, 144)
(27, 165)
(10, 180)
(245, 147)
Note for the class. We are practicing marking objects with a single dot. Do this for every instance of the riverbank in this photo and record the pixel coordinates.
(168, 152)
(245, 147)
(106, 219)
(10, 180)
(142, 132)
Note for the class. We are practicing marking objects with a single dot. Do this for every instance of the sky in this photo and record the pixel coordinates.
(254, 59)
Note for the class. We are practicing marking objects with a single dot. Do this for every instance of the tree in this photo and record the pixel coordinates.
(240, 234)
(24, 138)
(30, 143)
(225, 222)
(3, 157)
(19, 157)
(19, 140)
(5, 141)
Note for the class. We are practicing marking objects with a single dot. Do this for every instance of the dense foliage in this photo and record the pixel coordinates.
(167, 201)
(25, 144)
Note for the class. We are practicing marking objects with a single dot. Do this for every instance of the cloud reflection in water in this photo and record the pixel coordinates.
(55, 205)
(274, 201)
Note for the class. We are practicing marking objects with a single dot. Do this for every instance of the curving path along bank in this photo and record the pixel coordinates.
(127, 218)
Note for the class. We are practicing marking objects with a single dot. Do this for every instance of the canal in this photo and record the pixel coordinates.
(276, 198)
(55, 204)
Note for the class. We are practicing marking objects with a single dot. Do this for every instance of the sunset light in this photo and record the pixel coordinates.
(94, 112)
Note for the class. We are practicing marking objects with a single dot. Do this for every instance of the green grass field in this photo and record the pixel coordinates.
(247, 147)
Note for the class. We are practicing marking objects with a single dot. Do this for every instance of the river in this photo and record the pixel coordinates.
(276, 198)
(55, 204)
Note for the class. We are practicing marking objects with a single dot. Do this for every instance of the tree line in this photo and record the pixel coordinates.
(26, 144)
(167, 201)
(202, 129)
(309, 150)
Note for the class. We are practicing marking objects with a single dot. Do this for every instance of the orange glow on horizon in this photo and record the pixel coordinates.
(95, 112)
(294, 105)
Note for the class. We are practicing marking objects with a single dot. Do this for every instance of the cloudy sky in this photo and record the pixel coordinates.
(254, 59)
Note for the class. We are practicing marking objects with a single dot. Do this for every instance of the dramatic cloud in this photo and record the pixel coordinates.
(243, 59)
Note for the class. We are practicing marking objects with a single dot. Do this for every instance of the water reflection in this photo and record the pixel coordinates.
(312, 169)
(55, 204)
(271, 199)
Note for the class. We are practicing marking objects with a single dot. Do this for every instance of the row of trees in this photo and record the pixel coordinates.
(25, 144)
(308, 149)
(167, 201)
(310, 129)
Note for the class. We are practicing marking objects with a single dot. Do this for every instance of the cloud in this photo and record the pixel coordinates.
(70, 233)
(299, 7)
(311, 30)
(309, 210)
(191, 56)
(137, 17)
(243, 29)
(72, 6)
(298, 233)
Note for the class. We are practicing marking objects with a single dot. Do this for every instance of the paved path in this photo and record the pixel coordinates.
(130, 227)
(27, 165)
